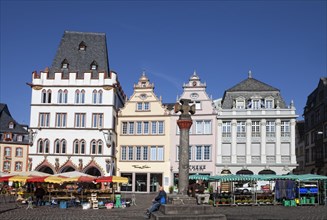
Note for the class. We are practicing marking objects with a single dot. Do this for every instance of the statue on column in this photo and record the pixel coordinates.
(57, 165)
(30, 164)
(80, 164)
(184, 123)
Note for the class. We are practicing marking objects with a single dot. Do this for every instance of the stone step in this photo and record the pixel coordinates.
(171, 209)
(160, 216)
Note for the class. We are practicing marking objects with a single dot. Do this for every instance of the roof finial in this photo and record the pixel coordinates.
(143, 72)
(194, 73)
(250, 74)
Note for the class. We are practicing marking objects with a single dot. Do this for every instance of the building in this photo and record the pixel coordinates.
(256, 130)
(315, 130)
(14, 143)
(299, 147)
(74, 108)
(203, 137)
(144, 140)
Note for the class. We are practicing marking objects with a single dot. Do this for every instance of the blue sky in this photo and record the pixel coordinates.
(283, 43)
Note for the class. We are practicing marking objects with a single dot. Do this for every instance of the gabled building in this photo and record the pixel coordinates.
(14, 143)
(144, 140)
(315, 130)
(203, 137)
(74, 108)
(256, 130)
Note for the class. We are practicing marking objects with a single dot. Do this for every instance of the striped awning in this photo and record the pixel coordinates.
(198, 177)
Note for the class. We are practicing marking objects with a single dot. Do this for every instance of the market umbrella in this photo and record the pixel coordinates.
(80, 179)
(111, 179)
(5, 178)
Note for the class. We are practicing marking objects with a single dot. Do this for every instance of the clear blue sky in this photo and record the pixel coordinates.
(282, 42)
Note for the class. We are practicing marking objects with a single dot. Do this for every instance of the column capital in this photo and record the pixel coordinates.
(184, 124)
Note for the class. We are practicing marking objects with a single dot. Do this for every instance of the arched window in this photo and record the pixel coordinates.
(76, 147)
(94, 97)
(63, 146)
(46, 146)
(93, 147)
(65, 98)
(44, 96)
(77, 96)
(40, 146)
(64, 64)
(82, 96)
(57, 147)
(82, 147)
(100, 145)
(49, 96)
(60, 96)
(100, 96)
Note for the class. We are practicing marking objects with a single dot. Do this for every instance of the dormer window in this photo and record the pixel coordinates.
(94, 65)
(269, 103)
(11, 125)
(82, 46)
(64, 64)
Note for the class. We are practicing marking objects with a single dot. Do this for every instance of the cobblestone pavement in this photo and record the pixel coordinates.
(11, 210)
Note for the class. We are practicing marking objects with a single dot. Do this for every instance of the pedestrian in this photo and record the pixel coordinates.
(39, 193)
(161, 198)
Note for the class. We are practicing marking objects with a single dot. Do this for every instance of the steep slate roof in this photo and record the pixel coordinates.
(6, 118)
(248, 88)
(80, 60)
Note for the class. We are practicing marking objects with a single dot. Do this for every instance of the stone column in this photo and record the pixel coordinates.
(183, 175)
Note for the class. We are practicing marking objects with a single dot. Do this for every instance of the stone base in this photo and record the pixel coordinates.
(184, 208)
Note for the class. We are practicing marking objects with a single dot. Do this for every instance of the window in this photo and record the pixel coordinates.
(46, 96)
(138, 152)
(57, 147)
(131, 127)
(143, 106)
(269, 104)
(19, 138)
(124, 127)
(97, 120)
(94, 65)
(96, 147)
(64, 64)
(63, 146)
(197, 104)
(100, 96)
(130, 153)
(139, 127)
(154, 127)
(18, 166)
(82, 46)
(202, 153)
(255, 104)
(40, 146)
(7, 152)
(65, 99)
(146, 127)
(80, 120)
(241, 129)
(203, 127)
(161, 127)
(255, 128)
(285, 129)
(79, 96)
(61, 120)
(97, 97)
(145, 153)
(11, 125)
(46, 146)
(79, 147)
(123, 153)
(6, 165)
(44, 119)
(60, 96)
(227, 129)
(240, 104)
(270, 129)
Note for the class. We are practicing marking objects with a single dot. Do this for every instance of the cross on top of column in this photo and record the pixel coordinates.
(185, 108)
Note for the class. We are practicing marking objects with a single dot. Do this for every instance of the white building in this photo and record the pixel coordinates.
(74, 109)
(256, 130)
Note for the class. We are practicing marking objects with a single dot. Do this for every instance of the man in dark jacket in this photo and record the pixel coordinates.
(39, 193)
(161, 198)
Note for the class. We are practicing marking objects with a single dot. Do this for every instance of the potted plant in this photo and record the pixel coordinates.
(171, 189)
(223, 200)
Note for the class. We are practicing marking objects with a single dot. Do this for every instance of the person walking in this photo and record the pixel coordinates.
(161, 198)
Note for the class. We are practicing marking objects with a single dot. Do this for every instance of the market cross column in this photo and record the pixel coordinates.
(184, 123)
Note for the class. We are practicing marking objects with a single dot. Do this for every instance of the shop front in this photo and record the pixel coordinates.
(142, 182)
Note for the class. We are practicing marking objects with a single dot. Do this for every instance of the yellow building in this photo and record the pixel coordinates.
(14, 143)
(143, 140)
